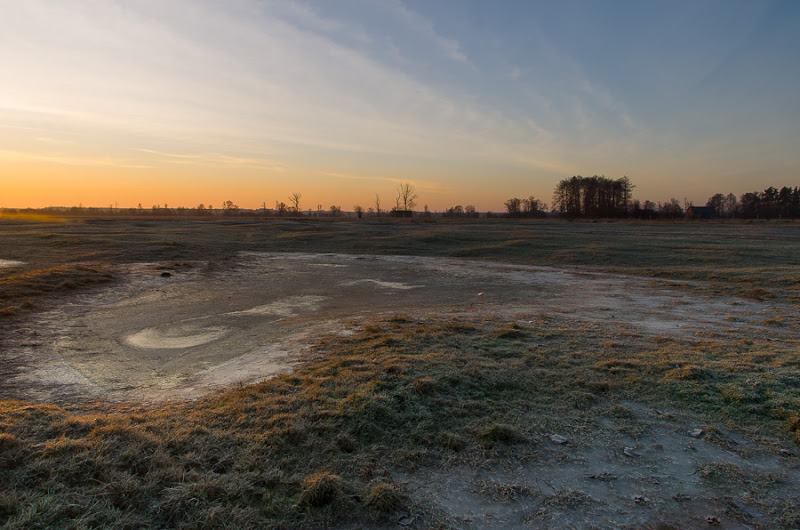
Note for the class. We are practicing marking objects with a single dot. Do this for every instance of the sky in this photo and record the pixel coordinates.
(187, 102)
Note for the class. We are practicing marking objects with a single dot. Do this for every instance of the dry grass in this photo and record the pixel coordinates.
(319, 446)
(17, 289)
(316, 446)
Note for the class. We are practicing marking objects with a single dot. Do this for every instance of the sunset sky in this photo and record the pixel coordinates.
(191, 101)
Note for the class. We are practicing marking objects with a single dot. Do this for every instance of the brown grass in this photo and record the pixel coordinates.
(319, 446)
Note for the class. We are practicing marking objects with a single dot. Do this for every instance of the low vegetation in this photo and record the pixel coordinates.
(733, 256)
(321, 445)
(325, 445)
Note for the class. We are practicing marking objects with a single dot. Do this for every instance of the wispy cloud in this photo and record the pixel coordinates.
(281, 74)
(309, 86)
(68, 159)
(304, 16)
(214, 159)
(420, 25)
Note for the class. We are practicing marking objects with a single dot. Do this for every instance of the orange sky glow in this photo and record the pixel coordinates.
(191, 102)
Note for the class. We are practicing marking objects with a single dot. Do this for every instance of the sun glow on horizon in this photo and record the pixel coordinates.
(196, 102)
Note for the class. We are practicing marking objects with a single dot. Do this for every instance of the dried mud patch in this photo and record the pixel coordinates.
(675, 475)
(177, 332)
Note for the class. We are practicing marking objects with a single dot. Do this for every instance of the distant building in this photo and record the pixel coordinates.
(701, 212)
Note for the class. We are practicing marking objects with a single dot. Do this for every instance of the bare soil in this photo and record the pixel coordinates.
(671, 471)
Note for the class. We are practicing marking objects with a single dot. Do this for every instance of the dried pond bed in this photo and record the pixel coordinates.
(173, 335)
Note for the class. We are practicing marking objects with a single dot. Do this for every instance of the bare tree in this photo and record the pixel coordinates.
(730, 205)
(533, 207)
(513, 207)
(294, 199)
(406, 194)
(377, 205)
(359, 211)
(717, 201)
(671, 209)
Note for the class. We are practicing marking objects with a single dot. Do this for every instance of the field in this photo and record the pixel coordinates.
(436, 374)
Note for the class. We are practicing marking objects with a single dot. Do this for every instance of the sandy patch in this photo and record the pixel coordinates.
(7, 263)
(174, 337)
(288, 307)
(379, 283)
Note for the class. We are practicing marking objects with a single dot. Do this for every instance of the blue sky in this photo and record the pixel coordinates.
(474, 102)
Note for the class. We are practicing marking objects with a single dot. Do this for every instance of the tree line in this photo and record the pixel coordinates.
(599, 196)
(772, 203)
(573, 197)
(593, 197)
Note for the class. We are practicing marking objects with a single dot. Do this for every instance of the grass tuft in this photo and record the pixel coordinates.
(322, 489)
(500, 433)
(689, 372)
(384, 497)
